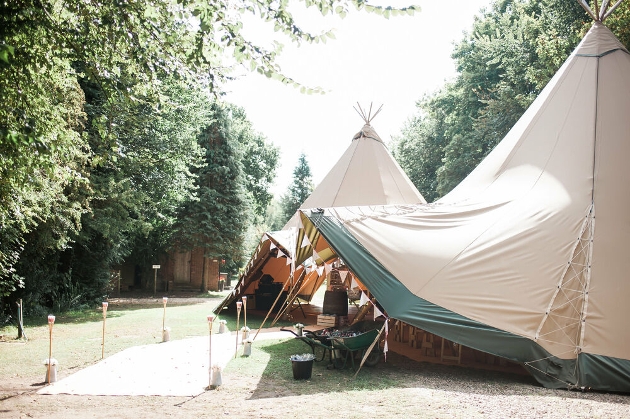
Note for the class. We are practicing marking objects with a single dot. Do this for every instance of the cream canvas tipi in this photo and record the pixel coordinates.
(528, 257)
(366, 174)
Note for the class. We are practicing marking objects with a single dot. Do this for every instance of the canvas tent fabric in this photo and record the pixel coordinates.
(365, 174)
(527, 258)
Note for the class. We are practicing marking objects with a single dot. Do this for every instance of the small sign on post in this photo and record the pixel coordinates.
(155, 267)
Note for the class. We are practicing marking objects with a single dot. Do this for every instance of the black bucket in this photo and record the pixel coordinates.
(302, 370)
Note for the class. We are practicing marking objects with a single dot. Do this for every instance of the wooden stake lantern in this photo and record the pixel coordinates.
(239, 304)
(51, 322)
(105, 304)
(164, 334)
(210, 320)
(244, 310)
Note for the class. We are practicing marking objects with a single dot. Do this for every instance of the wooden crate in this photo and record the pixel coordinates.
(327, 320)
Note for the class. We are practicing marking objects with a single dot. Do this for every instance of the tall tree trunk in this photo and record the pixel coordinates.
(204, 280)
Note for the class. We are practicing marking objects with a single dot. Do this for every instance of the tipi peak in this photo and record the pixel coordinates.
(599, 14)
(367, 118)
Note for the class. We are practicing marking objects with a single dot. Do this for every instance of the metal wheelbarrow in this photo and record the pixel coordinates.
(351, 347)
(343, 345)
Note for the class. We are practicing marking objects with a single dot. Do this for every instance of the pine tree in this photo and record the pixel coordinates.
(217, 220)
(299, 190)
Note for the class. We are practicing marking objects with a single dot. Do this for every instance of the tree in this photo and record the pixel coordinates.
(134, 192)
(510, 55)
(274, 216)
(299, 190)
(123, 50)
(419, 150)
(260, 160)
(217, 218)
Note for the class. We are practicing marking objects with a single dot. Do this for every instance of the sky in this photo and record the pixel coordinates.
(372, 61)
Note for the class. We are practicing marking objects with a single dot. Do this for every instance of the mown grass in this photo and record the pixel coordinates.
(77, 336)
(271, 361)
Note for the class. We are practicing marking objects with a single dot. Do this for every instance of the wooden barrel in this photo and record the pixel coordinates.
(335, 302)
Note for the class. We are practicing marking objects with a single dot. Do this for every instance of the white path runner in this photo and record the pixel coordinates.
(175, 368)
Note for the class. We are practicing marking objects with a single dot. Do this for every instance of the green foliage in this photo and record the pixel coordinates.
(216, 218)
(419, 150)
(259, 159)
(42, 154)
(509, 56)
(274, 216)
(299, 190)
(102, 104)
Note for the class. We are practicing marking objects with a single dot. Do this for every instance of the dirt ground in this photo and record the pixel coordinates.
(423, 391)
(405, 389)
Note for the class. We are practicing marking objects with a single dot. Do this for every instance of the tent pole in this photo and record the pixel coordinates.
(295, 288)
(267, 316)
(367, 353)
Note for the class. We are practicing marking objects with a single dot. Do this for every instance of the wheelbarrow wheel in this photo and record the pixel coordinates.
(373, 358)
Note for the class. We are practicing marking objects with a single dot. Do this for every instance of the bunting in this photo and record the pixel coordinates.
(377, 312)
(328, 267)
(343, 275)
(364, 299)
(320, 270)
(305, 241)
(280, 254)
(272, 246)
(315, 255)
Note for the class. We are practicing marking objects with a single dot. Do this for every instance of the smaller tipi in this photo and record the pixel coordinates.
(366, 174)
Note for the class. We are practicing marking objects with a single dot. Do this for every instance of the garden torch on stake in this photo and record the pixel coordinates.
(245, 311)
(104, 318)
(51, 322)
(238, 316)
(210, 319)
(164, 334)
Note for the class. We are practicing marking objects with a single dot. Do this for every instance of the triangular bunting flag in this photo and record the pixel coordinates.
(353, 284)
(272, 246)
(320, 270)
(343, 275)
(327, 267)
(377, 313)
(364, 299)
(289, 260)
(315, 255)
(280, 254)
(305, 241)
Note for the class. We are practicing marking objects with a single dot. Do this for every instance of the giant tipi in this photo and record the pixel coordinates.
(527, 258)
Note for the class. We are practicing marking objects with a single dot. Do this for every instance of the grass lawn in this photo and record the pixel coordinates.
(77, 337)
(262, 384)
